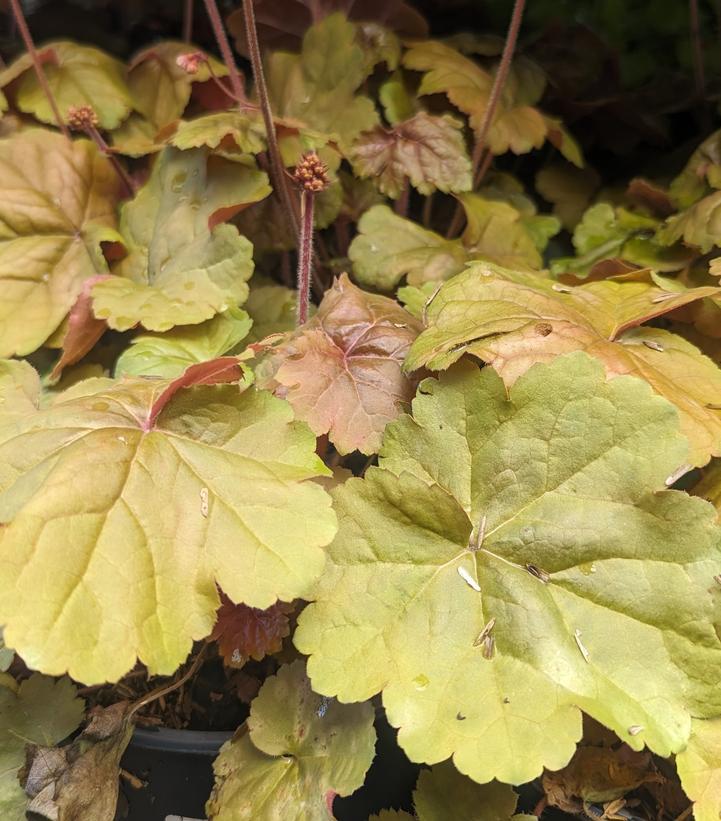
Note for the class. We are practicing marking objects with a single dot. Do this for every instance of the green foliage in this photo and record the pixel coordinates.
(183, 264)
(162, 487)
(492, 611)
(181, 461)
(297, 747)
(38, 711)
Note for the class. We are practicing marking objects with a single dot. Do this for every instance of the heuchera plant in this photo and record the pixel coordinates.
(298, 378)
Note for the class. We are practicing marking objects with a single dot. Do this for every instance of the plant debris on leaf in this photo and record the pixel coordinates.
(468, 582)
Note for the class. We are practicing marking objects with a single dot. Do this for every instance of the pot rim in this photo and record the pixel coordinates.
(195, 742)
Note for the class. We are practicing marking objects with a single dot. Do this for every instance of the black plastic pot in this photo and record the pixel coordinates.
(176, 767)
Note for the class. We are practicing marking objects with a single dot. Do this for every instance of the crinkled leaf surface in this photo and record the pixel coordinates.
(699, 767)
(389, 247)
(514, 558)
(169, 354)
(182, 267)
(42, 712)
(126, 502)
(160, 88)
(342, 370)
(77, 75)
(513, 324)
(300, 750)
(427, 151)
(443, 787)
(57, 203)
(319, 86)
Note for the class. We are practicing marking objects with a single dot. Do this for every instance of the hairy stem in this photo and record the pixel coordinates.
(499, 82)
(305, 254)
(225, 52)
(188, 21)
(37, 65)
(97, 138)
(278, 175)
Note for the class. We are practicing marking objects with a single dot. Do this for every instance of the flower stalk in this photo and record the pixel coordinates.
(83, 118)
(311, 176)
(277, 169)
(37, 64)
(480, 164)
(225, 51)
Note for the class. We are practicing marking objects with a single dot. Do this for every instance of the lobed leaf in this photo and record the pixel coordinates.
(514, 324)
(168, 355)
(299, 752)
(443, 786)
(517, 126)
(183, 266)
(341, 371)
(42, 712)
(57, 207)
(389, 247)
(77, 76)
(428, 151)
(124, 504)
(469, 584)
(244, 632)
(225, 129)
(323, 80)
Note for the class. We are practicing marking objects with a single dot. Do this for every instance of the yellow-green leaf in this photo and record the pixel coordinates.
(123, 510)
(513, 321)
(169, 354)
(57, 204)
(699, 767)
(299, 750)
(183, 267)
(319, 86)
(389, 247)
(469, 584)
(77, 75)
(225, 128)
(43, 712)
